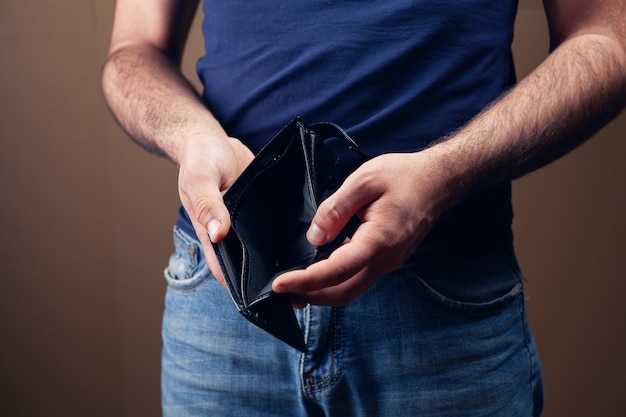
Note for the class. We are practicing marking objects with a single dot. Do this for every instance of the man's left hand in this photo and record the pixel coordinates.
(398, 197)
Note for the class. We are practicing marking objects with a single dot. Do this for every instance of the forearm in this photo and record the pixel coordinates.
(153, 102)
(572, 94)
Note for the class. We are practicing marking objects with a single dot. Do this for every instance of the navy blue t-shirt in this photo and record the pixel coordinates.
(396, 74)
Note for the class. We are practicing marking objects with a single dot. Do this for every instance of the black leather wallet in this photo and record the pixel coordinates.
(271, 206)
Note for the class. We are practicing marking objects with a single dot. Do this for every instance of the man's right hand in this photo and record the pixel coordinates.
(208, 166)
(157, 106)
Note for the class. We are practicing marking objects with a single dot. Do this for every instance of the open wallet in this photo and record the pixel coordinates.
(271, 206)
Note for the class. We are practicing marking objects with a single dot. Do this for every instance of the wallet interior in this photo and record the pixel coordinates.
(272, 205)
(282, 216)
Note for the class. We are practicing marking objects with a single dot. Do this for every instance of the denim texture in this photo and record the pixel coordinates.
(413, 345)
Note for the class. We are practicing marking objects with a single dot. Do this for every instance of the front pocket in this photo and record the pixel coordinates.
(187, 268)
(483, 283)
(419, 286)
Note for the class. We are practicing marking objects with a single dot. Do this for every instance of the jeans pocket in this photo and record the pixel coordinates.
(478, 285)
(187, 268)
(422, 288)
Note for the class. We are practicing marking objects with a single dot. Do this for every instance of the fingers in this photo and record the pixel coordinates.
(350, 269)
(325, 273)
(335, 212)
(338, 295)
(329, 282)
(210, 220)
(345, 274)
(393, 224)
(203, 202)
(212, 214)
(208, 167)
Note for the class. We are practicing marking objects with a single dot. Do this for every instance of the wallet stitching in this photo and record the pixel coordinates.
(235, 209)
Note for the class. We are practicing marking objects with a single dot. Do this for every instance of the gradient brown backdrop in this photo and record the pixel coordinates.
(86, 218)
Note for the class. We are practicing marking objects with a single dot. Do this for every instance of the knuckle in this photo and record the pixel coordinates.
(329, 214)
(339, 275)
(201, 208)
(200, 199)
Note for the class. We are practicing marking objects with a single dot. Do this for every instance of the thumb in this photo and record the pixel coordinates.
(205, 205)
(212, 223)
(210, 219)
(334, 213)
(214, 216)
(216, 230)
(358, 191)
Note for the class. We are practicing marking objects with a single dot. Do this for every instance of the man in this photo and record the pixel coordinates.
(421, 311)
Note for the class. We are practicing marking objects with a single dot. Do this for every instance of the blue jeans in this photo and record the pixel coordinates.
(413, 345)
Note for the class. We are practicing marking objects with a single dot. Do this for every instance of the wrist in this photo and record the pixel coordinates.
(447, 173)
(199, 143)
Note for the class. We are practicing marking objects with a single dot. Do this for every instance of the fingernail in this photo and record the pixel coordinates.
(315, 235)
(213, 228)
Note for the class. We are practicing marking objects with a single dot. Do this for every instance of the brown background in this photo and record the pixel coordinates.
(86, 219)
